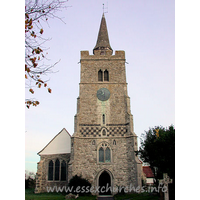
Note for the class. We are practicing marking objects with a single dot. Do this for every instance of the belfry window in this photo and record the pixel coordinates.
(103, 76)
(106, 75)
(104, 153)
(57, 167)
(50, 171)
(100, 75)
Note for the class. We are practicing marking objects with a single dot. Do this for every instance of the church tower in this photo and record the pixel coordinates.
(104, 143)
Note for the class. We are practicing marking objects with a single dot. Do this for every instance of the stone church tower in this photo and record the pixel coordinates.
(102, 148)
(104, 143)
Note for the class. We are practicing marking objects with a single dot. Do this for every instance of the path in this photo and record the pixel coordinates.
(105, 198)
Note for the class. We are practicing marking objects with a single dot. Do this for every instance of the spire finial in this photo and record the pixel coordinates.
(105, 8)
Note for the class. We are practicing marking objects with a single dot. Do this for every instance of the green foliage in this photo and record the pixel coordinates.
(158, 149)
(29, 180)
(30, 195)
(78, 182)
(29, 183)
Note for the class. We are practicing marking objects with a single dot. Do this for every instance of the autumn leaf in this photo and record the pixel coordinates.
(30, 22)
(37, 102)
(37, 51)
(45, 85)
(26, 15)
(39, 80)
(35, 65)
(49, 90)
(30, 27)
(41, 31)
(26, 76)
(31, 91)
(33, 60)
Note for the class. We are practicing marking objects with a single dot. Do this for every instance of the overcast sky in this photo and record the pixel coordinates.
(144, 29)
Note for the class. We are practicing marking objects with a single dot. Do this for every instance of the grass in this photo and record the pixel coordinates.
(135, 196)
(30, 195)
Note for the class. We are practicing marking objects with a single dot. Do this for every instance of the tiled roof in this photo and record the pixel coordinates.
(147, 170)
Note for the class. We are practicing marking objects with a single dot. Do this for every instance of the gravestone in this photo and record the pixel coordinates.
(165, 181)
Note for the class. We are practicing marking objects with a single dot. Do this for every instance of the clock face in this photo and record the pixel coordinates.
(103, 94)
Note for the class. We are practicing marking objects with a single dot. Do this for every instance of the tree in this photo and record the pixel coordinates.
(80, 185)
(38, 12)
(158, 149)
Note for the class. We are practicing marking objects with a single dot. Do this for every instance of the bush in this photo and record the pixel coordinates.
(29, 183)
(29, 180)
(80, 185)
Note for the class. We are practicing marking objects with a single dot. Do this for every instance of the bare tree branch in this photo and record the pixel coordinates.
(36, 13)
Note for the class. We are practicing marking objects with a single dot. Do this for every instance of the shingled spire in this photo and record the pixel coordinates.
(102, 44)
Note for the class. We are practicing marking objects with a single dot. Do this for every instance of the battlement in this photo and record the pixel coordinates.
(104, 56)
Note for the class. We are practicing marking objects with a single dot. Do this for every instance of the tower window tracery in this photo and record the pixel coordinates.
(104, 153)
(54, 168)
(103, 75)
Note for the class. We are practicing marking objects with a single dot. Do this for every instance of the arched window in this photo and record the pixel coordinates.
(101, 155)
(104, 153)
(103, 119)
(50, 171)
(104, 132)
(107, 154)
(100, 75)
(114, 142)
(63, 171)
(106, 75)
(57, 167)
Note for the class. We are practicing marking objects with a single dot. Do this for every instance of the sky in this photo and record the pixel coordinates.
(144, 29)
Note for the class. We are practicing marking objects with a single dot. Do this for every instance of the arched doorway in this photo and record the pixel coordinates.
(104, 184)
